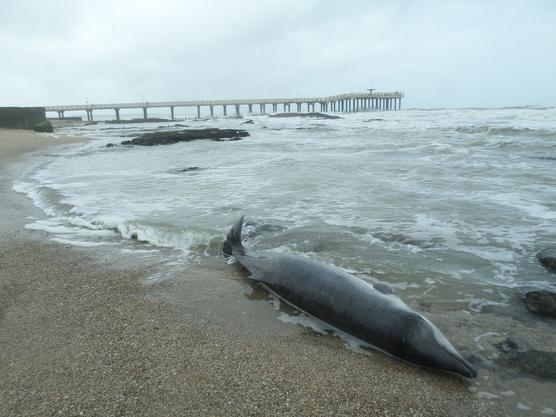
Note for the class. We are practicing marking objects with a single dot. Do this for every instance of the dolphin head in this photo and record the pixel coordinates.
(426, 346)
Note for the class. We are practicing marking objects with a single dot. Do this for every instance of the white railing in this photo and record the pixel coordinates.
(239, 102)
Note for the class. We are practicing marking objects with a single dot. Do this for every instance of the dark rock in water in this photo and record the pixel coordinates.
(517, 354)
(313, 115)
(248, 122)
(44, 126)
(168, 138)
(374, 120)
(190, 169)
(542, 303)
(547, 257)
(110, 145)
(544, 158)
(142, 120)
(513, 344)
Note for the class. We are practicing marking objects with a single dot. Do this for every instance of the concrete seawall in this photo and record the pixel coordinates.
(21, 117)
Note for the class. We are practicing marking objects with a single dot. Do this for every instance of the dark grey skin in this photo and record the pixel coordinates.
(352, 305)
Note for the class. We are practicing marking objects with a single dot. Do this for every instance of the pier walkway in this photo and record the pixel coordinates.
(349, 102)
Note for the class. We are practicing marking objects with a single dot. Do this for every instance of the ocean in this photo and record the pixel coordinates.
(447, 206)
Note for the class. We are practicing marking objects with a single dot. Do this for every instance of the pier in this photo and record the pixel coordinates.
(349, 102)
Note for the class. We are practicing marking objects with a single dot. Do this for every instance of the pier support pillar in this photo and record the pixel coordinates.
(211, 111)
(262, 108)
(90, 115)
(172, 113)
(198, 112)
(250, 109)
(225, 110)
(237, 110)
(117, 114)
(145, 113)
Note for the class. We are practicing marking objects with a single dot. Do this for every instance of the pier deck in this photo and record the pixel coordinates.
(349, 102)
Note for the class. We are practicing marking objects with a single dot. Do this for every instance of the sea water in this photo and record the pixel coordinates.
(447, 206)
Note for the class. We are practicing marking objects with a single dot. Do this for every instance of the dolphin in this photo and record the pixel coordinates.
(372, 314)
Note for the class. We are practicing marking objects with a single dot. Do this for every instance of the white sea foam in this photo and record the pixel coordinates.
(435, 201)
(86, 244)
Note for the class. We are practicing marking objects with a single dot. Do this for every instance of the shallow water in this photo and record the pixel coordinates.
(449, 207)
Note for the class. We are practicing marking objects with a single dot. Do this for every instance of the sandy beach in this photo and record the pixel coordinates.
(80, 334)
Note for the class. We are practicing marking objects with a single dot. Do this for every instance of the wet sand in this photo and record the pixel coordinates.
(82, 334)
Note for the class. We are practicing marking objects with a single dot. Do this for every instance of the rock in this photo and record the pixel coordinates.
(542, 303)
(536, 363)
(248, 122)
(313, 115)
(167, 138)
(189, 169)
(44, 126)
(513, 344)
(110, 145)
(547, 257)
(517, 354)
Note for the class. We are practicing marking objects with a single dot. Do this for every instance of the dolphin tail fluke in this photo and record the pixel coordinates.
(232, 245)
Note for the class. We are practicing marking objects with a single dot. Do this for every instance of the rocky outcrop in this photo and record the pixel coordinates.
(169, 137)
(21, 117)
(189, 169)
(44, 126)
(516, 353)
(547, 257)
(542, 303)
(312, 115)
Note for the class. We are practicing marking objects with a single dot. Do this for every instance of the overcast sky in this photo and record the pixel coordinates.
(440, 53)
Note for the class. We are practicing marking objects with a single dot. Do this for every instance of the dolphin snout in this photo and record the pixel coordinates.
(464, 367)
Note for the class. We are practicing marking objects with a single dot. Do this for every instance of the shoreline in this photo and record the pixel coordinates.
(82, 333)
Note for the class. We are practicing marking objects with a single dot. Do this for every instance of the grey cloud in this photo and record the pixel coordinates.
(440, 53)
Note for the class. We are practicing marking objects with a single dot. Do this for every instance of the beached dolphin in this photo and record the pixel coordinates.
(352, 305)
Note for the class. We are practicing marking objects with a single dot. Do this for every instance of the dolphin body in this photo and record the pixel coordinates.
(372, 314)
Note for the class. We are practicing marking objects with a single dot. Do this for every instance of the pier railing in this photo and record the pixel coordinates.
(348, 102)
